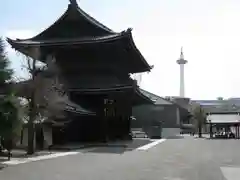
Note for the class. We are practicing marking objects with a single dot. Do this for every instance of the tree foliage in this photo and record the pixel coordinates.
(9, 121)
(199, 116)
(5, 71)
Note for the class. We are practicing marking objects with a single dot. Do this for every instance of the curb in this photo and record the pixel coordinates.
(87, 146)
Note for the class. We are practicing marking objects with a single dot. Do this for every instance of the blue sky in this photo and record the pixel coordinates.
(207, 30)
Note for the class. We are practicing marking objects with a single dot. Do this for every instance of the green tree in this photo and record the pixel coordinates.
(199, 116)
(5, 72)
(9, 122)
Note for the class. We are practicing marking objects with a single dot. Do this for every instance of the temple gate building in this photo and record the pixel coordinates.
(95, 65)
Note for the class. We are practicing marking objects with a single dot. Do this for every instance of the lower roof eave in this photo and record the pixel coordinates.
(101, 90)
(80, 113)
(223, 123)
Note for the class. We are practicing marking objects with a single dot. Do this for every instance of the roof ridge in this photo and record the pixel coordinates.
(73, 3)
(94, 21)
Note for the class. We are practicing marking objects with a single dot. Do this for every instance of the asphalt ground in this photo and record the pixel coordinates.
(184, 158)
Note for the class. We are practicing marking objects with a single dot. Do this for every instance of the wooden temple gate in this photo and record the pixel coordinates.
(95, 64)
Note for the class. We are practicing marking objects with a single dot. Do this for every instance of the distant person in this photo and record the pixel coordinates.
(231, 135)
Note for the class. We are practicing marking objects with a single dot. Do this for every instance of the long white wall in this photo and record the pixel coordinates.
(170, 132)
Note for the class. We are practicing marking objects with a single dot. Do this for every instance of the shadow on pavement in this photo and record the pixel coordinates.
(2, 166)
(114, 150)
(120, 149)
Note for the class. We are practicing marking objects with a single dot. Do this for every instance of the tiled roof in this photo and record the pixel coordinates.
(228, 105)
(93, 21)
(160, 100)
(73, 107)
(85, 40)
(99, 90)
(223, 118)
(77, 12)
(155, 98)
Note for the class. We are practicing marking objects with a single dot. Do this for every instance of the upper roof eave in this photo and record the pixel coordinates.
(102, 90)
(75, 108)
(18, 44)
(56, 42)
(149, 68)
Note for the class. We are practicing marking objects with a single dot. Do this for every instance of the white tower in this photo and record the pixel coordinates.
(181, 61)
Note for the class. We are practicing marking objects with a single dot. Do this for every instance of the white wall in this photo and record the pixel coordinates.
(170, 132)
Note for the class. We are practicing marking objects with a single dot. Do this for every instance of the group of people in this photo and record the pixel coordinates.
(224, 134)
(191, 132)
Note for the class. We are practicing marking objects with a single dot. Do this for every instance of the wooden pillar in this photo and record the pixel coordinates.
(129, 121)
(115, 119)
(125, 103)
(104, 120)
(22, 132)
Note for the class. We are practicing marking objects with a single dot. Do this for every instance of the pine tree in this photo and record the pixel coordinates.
(9, 120)
(5, 71)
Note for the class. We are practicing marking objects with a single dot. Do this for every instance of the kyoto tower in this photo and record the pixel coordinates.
(181, 61)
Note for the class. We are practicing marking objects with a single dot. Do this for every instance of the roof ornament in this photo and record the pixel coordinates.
(73, 2)
(129, 29)
(181, 56)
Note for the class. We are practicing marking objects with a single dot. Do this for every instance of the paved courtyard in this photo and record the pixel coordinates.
(174, 159)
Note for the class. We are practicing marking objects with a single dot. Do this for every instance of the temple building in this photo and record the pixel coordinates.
(95, 64)
(162, 119)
